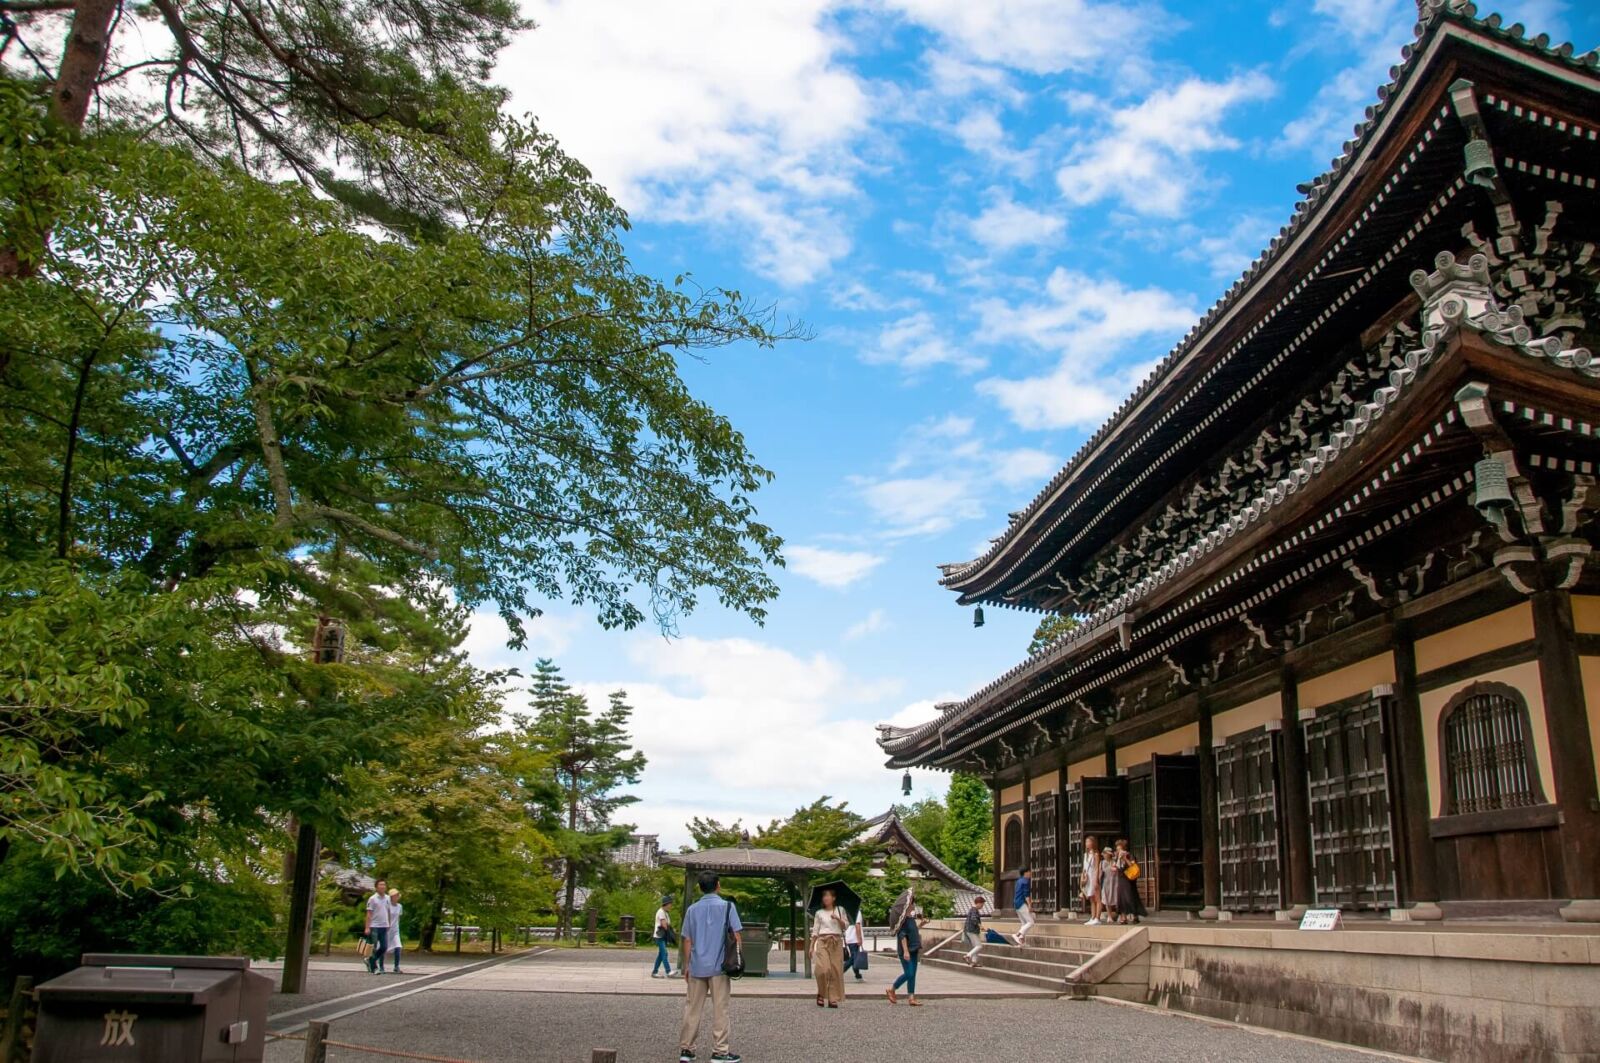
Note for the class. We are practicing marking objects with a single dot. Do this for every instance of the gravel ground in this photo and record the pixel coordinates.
(490, 1027)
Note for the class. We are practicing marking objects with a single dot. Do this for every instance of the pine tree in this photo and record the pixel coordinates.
(592, 757)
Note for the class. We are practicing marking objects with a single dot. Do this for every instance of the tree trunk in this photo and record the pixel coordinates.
(572, 892)
(430, 928)
(83, 56)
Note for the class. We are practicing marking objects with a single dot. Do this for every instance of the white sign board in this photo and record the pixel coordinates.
(1321, 919)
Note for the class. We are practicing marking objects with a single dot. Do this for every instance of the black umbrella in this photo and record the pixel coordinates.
(843, 896)
(903, 908)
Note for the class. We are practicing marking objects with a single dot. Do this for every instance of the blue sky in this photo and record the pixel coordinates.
(995, 215)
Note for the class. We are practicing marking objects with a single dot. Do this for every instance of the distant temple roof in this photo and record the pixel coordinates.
(886, 831)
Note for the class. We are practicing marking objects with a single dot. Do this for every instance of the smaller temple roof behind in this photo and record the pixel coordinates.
(748, 860)
(888, 832)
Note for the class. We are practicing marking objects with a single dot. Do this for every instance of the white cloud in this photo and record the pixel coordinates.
(1005, 225)
(1086, 322)
(487, 634)
(1368, 18)
(920, 505)
(872, 623)
(1024, 466)
(914, 342)
(1038, 36)
(831, 568)
(1329, 119)
(723, 715)
(1144, 155)
(982, 133)
(1229, 252)
(736, 114)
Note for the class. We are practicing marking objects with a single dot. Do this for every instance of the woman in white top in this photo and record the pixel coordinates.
(663, 928)
(855, 940)
(395, 908)
(1090, 882)
(827, 950)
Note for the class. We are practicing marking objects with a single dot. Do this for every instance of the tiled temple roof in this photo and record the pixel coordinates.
(1500, 326)
(1437, 17)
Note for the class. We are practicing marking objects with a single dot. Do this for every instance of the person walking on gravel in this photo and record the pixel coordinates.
(663, 939)
(707, 924)
(908, 944)
(376, 927)
(395, 908)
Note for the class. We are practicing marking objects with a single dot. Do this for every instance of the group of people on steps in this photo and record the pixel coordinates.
(1106, 884)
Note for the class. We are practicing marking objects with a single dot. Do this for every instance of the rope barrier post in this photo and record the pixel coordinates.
(316, 1034)
(603, 1055)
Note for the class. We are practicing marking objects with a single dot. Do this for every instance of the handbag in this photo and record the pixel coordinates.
(1132, 870)
(364, 946)
(732, 954)
(669, 935)
(860, 960)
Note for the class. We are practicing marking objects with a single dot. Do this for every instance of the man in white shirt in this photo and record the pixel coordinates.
(854, 941)
(377, 925)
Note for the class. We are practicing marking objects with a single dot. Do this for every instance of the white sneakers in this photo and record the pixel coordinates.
(1092, 922)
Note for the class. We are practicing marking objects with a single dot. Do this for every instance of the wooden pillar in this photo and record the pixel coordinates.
(1296, 795)
(1027, 817)
(1418, 866)
(1210, 835)
(1571, 751)
(1111, 757)
(994, 789)
(794, 899)
(1064, 876)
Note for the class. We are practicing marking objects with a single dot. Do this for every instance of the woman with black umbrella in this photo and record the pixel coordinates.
(827, 950)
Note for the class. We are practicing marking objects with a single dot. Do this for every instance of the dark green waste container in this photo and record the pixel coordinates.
(756, 942)
(154, 1009)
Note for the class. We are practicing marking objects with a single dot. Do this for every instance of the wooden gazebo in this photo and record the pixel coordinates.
(746, 861)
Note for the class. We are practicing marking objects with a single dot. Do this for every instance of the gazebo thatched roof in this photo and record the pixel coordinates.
(748, 860)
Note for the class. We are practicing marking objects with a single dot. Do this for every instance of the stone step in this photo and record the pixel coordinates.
(1003, 961)
(1042, 954)
(1057, 985)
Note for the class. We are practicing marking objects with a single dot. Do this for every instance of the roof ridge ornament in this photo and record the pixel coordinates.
(1458, 295)
(1427, 9)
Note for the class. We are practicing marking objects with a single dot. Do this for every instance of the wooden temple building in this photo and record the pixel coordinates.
(1338, 637)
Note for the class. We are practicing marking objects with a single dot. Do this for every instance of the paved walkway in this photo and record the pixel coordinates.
(556, 1006)
(606, 971)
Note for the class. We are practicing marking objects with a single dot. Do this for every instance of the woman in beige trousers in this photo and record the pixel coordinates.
(827, 950)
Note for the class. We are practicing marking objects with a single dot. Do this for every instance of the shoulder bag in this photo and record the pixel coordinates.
(732, 954)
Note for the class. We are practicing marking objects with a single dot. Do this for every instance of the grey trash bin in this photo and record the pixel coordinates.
(154, 1009)
(756, 948)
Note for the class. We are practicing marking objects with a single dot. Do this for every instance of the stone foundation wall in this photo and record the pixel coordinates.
(1449, 996)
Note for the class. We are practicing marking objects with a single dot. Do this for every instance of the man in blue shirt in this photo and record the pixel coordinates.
(1023, 903)
(705, 929)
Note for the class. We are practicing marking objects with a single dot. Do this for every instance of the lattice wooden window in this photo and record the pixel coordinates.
(1487, 751)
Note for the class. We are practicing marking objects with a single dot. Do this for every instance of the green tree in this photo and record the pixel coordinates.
(592, 757)
(285, 86)
(445, 818)
(238, 410)
(925, 821)
(967, 823)
(1051, 628)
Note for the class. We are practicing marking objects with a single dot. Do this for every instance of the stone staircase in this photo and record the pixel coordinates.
(1067, 958)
